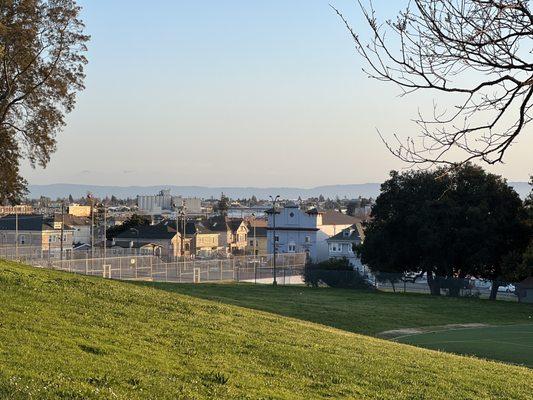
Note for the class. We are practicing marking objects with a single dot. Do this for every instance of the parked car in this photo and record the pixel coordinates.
(507, 289)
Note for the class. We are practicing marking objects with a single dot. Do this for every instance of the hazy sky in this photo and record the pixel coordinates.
(232, 93)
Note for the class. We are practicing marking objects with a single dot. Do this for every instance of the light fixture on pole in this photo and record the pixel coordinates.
(274, 244)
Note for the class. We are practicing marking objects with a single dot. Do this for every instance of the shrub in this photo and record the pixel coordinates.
(334, 273)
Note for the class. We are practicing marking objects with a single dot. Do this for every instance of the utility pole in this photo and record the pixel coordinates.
(274, 200)
(184, 226)
(62, 229)
(255, 239)
(92, 224)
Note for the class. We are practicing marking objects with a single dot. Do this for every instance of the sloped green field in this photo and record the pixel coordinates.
(70, 337)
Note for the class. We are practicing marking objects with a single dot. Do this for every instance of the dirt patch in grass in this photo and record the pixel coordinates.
(397, 333)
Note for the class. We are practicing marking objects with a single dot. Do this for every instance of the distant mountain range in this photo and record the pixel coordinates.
(342, 191)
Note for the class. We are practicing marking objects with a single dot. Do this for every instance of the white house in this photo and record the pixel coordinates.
(342, 245)
(299, 231)
(81, 227)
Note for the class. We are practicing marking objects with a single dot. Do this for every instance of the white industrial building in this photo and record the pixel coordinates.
(164, 201)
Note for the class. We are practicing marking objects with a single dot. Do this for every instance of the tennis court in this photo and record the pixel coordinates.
(509, 343)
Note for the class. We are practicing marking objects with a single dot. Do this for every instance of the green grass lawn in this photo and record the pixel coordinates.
(359, 311)
(72, 337)
(512, 343)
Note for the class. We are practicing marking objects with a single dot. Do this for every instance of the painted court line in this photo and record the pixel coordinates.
(500, 327)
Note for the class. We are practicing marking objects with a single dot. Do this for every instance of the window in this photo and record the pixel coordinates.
(292, 248)
(335, 247)
(346, 233)
(251, 242)
(291, 214)
(22, 239)
(308, 239)
(276, 238)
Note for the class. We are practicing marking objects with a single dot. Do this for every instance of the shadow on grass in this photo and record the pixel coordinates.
(357, 311)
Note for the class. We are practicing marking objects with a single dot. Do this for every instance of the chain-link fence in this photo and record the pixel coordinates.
(258, 269)
(448, 286)
(347, 277)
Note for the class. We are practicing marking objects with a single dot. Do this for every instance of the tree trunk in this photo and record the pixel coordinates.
(434, 284)
(494, 290)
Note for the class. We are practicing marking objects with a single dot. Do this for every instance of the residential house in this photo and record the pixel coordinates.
(34, 232)
(81, 227)
(305, 231)
(257, 236)
(205, 241)
(525, 290)
(162, 239)
(342, 245)
(330, 223)
(186, 232)
(292, 230)
(233, 233)
(237, 235)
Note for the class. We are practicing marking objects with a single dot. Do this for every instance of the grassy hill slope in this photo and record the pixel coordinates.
(72, 337)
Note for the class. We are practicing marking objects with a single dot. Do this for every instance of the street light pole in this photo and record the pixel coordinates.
(255, 239)
(16, 233)
(274, 200)
(105, 232)
(92, 225)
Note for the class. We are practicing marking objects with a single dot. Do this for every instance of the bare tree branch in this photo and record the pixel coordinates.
(476, 53)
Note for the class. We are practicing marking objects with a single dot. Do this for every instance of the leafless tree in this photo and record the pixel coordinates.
(477, 54)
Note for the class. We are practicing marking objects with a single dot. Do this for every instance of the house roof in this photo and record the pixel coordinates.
(159, 231)
(217, 224)
(260, 231)
(527, 283)
(332, 217)
(190, 226)
(72, 220)
(201, 228)
(355, 234)
(31, 222)
(221, 224)
(234, 223)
